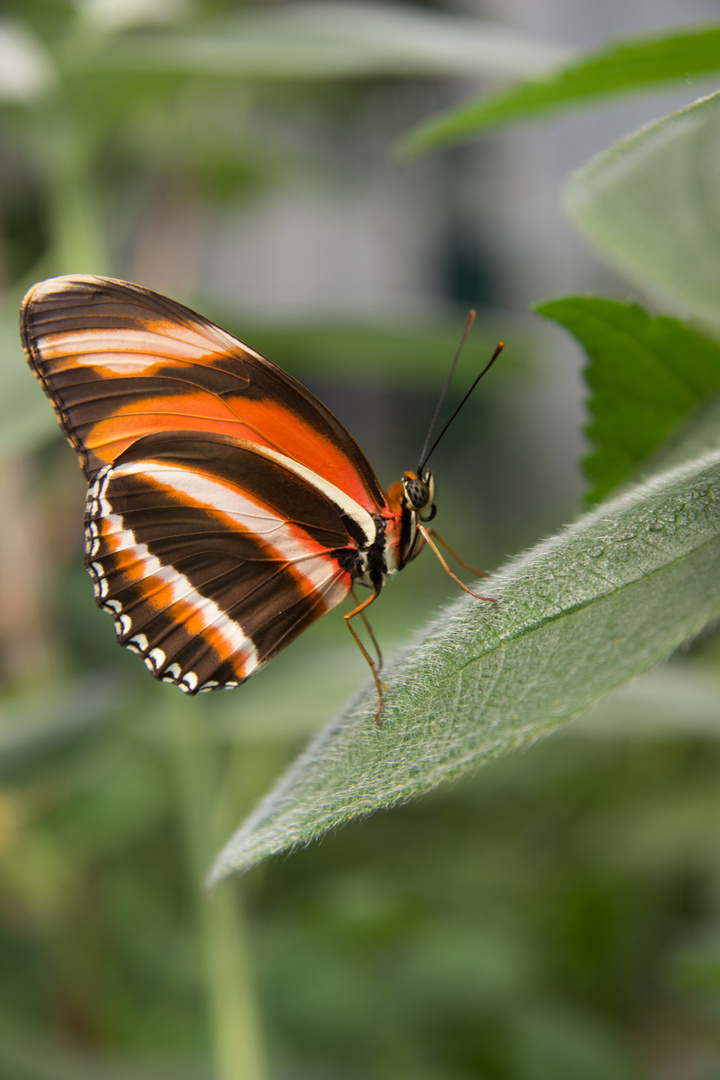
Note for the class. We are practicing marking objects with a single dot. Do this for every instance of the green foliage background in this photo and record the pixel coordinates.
(556, 914)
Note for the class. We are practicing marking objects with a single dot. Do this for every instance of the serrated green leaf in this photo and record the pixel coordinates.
(697, 435)
(620, 67)
(578, 616)
(651, 205)
(646, 375)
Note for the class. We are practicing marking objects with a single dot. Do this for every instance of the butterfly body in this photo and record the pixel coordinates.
(227, 507)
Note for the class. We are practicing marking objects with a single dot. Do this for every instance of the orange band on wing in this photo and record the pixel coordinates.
(263, 423)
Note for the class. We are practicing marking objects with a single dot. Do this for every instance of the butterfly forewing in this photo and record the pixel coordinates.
(228, 508)
(119, 362)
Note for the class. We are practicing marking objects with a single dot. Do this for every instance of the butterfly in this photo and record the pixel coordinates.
(227, 507)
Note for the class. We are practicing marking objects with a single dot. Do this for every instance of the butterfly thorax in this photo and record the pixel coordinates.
(409, 500)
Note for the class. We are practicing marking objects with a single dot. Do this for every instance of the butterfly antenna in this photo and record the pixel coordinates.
(498, 349)
(468, 327)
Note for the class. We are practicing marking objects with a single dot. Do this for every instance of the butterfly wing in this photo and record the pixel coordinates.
(119, 361)
(227, 508)
(211, 558)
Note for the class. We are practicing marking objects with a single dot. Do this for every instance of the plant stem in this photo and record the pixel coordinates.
(231, 997)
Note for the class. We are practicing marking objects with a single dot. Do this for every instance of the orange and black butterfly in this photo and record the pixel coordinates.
(227, 507)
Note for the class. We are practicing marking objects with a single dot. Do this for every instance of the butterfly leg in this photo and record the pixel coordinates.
(427, 535)
(368, 627)
(360, 610)
(456, 557)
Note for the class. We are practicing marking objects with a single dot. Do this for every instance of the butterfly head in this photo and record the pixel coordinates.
(419, 494)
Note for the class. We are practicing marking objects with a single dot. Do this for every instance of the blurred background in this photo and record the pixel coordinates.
(556, 915)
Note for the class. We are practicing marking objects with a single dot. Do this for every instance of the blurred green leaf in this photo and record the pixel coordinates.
(555, 1043)
(25, 418)
(38, 725)
(651, 205)
(395, 350)
(619, 67)
(646, 375)
(32, 1054)
(696, 968)
(313, 40)
(682, 698)
(578, 616)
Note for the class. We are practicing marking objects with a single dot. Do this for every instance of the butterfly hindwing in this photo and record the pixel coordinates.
(209, 566)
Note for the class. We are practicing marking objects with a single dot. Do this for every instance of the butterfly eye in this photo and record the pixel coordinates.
(419, 492)
(416, 492)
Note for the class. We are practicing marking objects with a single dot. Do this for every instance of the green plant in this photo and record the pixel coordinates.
(586, 611)
(542, 920)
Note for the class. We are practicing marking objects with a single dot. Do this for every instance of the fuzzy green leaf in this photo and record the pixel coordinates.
(620, 67)
(578, 616)
(646, 376)
(651, 205)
